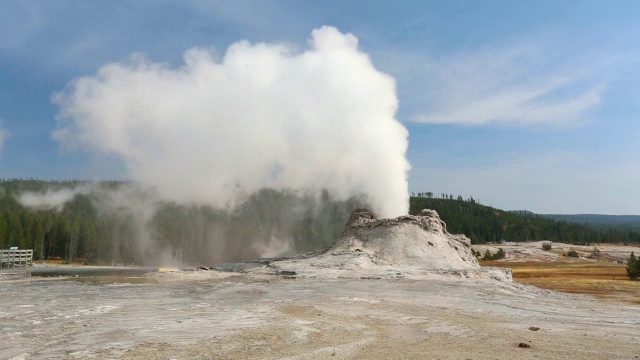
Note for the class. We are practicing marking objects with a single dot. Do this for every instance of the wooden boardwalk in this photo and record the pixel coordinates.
(16, 258)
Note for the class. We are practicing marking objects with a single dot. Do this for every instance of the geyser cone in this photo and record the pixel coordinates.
(409, 246)
(411, 241)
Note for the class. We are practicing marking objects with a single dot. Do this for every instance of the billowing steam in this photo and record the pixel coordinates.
(223, 126)
(260, 151)
(51, 199)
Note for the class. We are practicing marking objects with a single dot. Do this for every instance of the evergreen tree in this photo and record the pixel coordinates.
(487, 255)
(633, 267)
(486, 224)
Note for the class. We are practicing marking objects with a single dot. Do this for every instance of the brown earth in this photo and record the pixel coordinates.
(604, 278)
(600, 279)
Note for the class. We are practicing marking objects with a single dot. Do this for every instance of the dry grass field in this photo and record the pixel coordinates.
(593, 278)
(604, 278)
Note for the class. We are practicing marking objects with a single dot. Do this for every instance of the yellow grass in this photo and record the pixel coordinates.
(60, 262)
(596, 278)
(167, 269)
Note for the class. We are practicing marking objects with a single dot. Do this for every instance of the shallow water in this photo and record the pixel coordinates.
(89, 271)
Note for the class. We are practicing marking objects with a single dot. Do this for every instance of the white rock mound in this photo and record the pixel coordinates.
(406, 241)
(406, 247)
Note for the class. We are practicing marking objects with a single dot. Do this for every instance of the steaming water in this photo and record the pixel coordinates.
(93, 271)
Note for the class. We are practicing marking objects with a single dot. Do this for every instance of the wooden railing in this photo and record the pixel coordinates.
(16, 258)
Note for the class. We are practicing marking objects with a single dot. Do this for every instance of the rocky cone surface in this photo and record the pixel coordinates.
(406, 247)
(410, 240)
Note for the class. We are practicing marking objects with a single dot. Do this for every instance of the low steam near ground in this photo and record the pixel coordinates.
(130, 223)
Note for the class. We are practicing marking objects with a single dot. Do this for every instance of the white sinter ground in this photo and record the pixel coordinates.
(359, 299)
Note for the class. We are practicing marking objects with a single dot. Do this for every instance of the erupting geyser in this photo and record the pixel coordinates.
(223, 126)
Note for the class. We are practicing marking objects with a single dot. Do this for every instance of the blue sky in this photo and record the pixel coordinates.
(524, 105)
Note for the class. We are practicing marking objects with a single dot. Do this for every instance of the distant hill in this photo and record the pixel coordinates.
(598, 219)
(487, 224)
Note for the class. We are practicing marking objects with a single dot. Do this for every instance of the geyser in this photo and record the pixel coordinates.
(421, 240)
(408, 246)
(223, 126)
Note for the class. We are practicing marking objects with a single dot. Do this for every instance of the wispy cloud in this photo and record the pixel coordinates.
(3, 135)
(524, 84)
(19, 22)
(72, 37)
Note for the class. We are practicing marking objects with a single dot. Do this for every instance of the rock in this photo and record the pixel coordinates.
(524, 345)
(409, 240)
(360, 215)
(409, 246)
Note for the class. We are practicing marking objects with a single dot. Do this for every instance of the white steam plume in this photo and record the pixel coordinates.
(52, 199)
(261, 116)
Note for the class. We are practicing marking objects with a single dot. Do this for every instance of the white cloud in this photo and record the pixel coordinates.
(261, 115)
(522, 85)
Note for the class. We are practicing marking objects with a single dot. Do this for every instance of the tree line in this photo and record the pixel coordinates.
(268, 223)
(483, 224)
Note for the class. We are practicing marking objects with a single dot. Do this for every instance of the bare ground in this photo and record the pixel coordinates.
(208, 315)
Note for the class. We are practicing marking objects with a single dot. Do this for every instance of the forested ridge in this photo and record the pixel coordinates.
(73, 232)
(99, 228)
(601, 221)
(141, 230)
(483, 223)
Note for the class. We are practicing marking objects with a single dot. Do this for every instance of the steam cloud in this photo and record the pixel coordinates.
(51, 199)
(215, 130)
